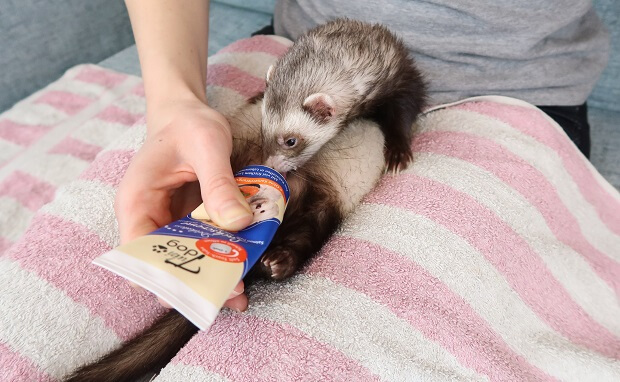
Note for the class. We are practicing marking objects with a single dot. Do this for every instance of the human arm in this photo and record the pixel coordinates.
(187, 141)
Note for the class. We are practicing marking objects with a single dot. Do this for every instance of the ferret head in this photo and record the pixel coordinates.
(293, 128)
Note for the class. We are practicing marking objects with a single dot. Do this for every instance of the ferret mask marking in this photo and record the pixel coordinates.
(309, 134)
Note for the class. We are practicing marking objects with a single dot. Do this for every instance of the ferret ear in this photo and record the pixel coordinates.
(321, 106)
(269, 71)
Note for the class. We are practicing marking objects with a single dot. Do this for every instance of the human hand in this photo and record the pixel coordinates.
(186, 154)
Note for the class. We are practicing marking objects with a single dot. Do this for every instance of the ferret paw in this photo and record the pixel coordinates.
(278, 264)
(397, 160)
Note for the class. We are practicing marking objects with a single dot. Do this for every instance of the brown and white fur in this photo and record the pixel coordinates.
(324, 190)
(332, 75)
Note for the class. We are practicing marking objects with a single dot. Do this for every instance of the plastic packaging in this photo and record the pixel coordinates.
(192, 263)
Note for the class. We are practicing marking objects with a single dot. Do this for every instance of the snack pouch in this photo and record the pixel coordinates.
(192, 263)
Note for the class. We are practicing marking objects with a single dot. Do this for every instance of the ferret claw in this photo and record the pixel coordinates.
(280, 267)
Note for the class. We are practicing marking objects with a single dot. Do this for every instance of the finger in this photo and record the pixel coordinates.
(221, 197)
(239, 303)
(136, 228)
(132, 212)
(184, 200)
(142, 202)
(237, 291)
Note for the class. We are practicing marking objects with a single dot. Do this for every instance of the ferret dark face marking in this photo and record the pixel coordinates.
(295, 124)
(291, 142)
(284, 152)
(293, 133)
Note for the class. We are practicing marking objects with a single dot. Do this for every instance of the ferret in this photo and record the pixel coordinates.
(323, 191)
(332, 75)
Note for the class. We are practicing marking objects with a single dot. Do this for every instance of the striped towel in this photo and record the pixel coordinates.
(48, 139)
(495, 256)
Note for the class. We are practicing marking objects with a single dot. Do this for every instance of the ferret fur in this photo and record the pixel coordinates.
(332, 75)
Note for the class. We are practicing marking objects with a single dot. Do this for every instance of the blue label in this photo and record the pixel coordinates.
(267, 193)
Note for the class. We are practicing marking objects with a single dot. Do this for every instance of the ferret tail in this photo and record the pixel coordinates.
(148, 352)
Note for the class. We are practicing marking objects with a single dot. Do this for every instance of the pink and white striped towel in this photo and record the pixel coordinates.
(496, 256)
(48, 139)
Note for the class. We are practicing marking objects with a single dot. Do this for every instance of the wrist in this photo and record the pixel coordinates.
(167, 86)
(174, 115)
(162, 109)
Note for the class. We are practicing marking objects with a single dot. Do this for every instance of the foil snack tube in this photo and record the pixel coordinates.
(192, 263)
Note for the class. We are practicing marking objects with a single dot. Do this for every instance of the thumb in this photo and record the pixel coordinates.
(222, 199)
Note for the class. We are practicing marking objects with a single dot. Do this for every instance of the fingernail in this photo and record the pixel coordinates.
(235, 293)
(232, 212)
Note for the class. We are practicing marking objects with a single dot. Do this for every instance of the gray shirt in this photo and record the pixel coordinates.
(544, 52)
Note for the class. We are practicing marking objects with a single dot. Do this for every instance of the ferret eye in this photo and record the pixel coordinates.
(291, 142)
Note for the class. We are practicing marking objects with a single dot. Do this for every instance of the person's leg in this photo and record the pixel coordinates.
(574, 121)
